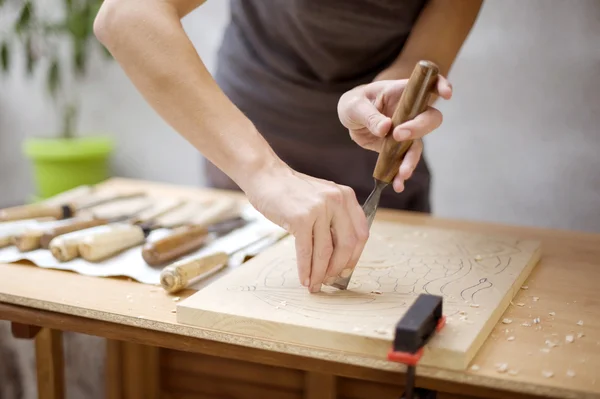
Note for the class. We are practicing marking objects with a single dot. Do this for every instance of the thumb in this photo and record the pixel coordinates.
(363, 114)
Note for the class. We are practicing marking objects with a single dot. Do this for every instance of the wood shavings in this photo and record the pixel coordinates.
(283, 303)
(506, 321)
(526, 324)
(511, 338)
(570, 373)
(176, 299)
(513, 372)
(474, 367)
(545, 350)
(536, 298)
(580, 323)
(174, 311)
(524, 287)
(478, 257)
(580, 335)
(552, 313)
(569, 339)
(474, 305)
(501, 367)
(376, 292)
(462, 312)
(547, 374)
(551, 344)
(536, 320)
(381, 331)
(520, 304)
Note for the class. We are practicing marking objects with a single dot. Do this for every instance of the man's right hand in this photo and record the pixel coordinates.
(325, 218)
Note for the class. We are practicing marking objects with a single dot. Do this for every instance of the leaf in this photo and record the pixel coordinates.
(79, 59)
(53, 77)
(24, 17)
(30, 57)
(4, 56)
(69, 5)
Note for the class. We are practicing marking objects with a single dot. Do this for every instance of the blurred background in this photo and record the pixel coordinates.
(520, 141)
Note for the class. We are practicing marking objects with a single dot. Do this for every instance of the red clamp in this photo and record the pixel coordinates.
(411, 359)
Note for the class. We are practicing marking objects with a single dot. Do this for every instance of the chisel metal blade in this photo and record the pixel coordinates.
(370, 209)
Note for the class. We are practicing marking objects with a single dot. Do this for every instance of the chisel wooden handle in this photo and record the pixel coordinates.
(28, 241)
(178, 275)
(37, 211)
(117, 238)
(64, 248)
(5, 241)
(181, 242)
(413, 101)
(50, 234)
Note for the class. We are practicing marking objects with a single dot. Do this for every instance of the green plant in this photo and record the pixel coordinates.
(43, 37)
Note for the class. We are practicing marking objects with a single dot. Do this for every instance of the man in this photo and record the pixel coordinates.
(294, 78)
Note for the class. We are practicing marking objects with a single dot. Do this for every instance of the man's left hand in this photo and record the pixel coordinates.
(367, 110)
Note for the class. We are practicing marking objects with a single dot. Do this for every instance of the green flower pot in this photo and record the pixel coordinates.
(63, 164)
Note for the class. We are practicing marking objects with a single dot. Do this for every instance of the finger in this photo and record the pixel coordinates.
(410, 161)
(444, 88)
(304, 252)
(420, 126)
(322, 251)
(361, 229)
(344, 232)
(363, 113)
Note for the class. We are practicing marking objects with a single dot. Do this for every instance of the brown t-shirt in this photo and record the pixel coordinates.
(285, 64)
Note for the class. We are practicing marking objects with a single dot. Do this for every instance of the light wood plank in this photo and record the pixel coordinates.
(477, 274)
(50, 364)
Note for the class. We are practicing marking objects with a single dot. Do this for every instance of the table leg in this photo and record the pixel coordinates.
(132, 371)
(319, 386)
(50, 365)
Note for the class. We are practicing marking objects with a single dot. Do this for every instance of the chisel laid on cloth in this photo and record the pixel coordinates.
(181, 274)
(187, 239)
(41, 235)
(100, 246)
(9, 230)
(65, 247)
(413, 101)
(63, 210)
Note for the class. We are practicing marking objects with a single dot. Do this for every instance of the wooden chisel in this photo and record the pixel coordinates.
(40, 236)
(58, 211)
(181, 274)
(65, 247)
(8, 230)
(120, 237)
(190, 238)
(413, 101)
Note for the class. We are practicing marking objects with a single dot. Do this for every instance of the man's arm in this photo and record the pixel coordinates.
(437, 36)
(147, 39)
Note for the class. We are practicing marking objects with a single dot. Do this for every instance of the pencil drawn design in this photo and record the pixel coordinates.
(393, 270)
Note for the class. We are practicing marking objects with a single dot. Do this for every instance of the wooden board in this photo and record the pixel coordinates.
(477, 274)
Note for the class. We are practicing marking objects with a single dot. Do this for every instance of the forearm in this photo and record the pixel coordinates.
(437, 36)
(147, 39)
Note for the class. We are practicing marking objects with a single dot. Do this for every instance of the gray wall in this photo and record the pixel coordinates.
(519, 143)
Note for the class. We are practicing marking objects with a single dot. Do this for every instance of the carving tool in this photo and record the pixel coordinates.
(413, 101)
(8, 230)
(64, 210)
(187, 239)
(40, 236)
(65, 247)
(414, 330)
(181, 274)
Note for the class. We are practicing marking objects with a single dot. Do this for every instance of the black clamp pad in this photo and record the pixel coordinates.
(418, 324)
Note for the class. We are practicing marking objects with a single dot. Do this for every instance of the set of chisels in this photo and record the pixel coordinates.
(97, 225)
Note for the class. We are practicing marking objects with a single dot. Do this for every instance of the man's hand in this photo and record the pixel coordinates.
(367, 110)
(329, 225)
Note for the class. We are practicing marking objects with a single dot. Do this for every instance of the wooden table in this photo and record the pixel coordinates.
(152, 356)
